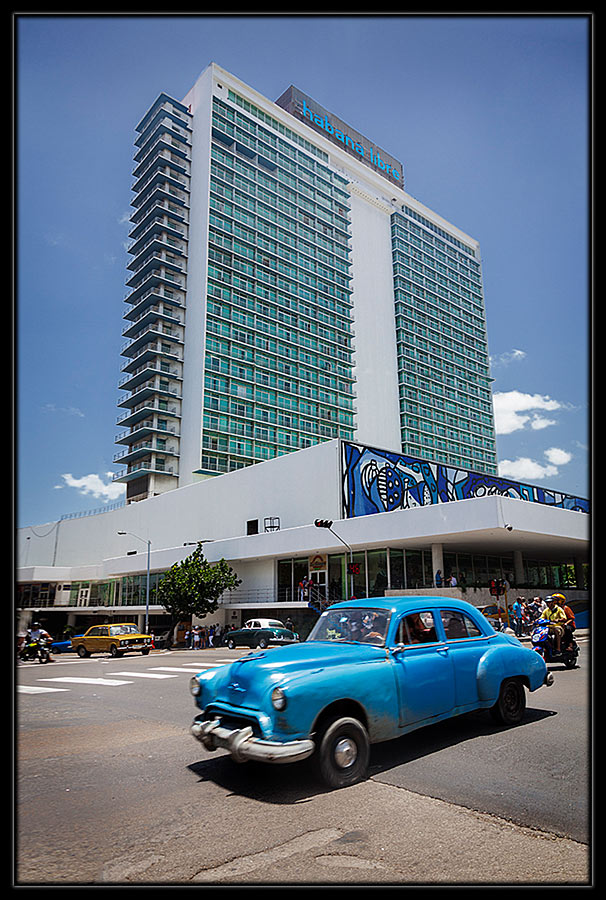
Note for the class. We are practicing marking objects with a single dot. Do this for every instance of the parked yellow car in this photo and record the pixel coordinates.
(116, 640)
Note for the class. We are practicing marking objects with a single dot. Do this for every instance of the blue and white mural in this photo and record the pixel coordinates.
(380, 481)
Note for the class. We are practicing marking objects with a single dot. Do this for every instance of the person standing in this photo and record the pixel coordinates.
(517, 616)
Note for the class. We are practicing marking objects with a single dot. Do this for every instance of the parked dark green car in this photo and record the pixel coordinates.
(260, 633)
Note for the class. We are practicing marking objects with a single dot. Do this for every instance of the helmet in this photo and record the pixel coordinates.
(549, 599)
(558, 597)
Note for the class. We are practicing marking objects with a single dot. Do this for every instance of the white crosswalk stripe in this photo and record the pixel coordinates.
(143, 675)
(32, 689)
(181, 669)
(109, 682)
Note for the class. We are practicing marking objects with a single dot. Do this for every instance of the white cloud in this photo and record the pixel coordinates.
(70, 410)
(525, 469)
(540, 422)
(504, 359)
(94, 485)
(514, 410)
(557, 456)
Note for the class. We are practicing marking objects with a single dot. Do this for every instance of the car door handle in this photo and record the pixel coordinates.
(443, 650)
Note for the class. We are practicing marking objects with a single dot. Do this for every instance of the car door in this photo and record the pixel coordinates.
(94, 639)
(466, 645)
(423, 669)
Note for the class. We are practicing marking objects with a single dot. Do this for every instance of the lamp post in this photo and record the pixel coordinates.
(148, 542)
(326, 523)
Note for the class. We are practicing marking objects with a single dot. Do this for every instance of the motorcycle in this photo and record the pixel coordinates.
(544, 644)
(39, 650)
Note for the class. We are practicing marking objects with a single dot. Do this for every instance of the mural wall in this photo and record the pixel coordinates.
(380, 481)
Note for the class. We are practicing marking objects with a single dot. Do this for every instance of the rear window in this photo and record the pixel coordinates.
(458, 625)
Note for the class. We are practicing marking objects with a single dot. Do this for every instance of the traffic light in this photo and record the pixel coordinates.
(323, 523)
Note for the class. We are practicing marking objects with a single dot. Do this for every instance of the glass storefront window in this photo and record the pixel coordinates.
(337, 577)
(359, 580)
(285, 591)
(396, 569)
(377, 572)
(414, 568)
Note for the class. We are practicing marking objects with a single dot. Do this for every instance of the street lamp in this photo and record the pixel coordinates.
(148, 542)
(327, 523)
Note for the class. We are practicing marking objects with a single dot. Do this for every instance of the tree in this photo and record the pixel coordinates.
(193, 587)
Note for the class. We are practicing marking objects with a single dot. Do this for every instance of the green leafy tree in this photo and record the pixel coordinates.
(193, 587)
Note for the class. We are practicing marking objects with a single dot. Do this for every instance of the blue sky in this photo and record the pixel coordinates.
(490, 116)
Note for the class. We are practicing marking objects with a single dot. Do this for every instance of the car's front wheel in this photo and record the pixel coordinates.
(511, 705)
(114, 651)
(343, 753)
(231, 644)
(263, 643)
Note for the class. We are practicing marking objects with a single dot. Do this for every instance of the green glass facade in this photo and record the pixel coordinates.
(278, 356)
(444, 377)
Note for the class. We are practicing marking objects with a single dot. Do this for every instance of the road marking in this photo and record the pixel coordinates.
(246, 864)
(182, 669)
(110, 682)
(143, 675)
(31, 689)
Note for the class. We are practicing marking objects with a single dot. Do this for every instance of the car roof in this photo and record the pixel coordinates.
(402, 604)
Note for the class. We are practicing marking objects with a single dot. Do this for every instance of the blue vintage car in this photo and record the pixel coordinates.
(370, 671)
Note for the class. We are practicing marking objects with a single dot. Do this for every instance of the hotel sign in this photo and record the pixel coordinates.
(307, 110)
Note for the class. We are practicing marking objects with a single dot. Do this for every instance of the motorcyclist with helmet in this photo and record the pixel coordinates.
(556, 619)
(569, 625)
(35, 633)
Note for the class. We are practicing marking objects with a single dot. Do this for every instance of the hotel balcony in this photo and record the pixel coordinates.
(146, 391)
(154, 280)
(148, 315)
(146, 428)
(142, 412)
(156, 226)
(144, 467)
(148, 370)
(145, 449)
(141, 219)
(154, 333)
(162, 139)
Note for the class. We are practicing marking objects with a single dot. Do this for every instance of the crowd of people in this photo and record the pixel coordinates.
(202, 636)
(553, 609)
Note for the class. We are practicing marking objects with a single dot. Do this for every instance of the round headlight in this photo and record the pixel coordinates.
(195, 686)
(278, 698)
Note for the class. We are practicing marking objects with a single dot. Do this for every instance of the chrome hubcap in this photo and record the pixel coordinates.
(346, 752)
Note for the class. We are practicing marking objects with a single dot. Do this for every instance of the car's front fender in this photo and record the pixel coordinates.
(370, 685)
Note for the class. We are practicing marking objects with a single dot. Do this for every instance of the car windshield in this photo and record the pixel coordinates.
(368, 626)
(123, 629)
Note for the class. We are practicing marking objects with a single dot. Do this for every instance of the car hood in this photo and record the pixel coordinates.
(247, 681)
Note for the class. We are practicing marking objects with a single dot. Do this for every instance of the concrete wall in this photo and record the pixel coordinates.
(298, 488)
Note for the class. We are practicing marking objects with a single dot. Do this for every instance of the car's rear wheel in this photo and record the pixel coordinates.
(343, 753)
(511, 705)
(82, 652)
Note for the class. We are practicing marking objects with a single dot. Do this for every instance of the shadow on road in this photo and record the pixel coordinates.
(298, 782)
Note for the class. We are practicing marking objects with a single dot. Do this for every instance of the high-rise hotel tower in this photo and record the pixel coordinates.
(286, 290)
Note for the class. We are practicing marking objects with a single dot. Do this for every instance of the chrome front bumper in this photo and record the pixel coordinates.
(243, 746)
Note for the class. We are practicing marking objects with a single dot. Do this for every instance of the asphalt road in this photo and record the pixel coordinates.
(112, 789)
